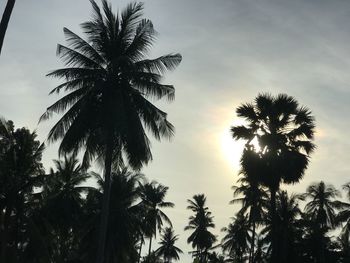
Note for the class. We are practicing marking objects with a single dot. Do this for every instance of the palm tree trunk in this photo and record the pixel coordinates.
(105, 204)
(5, 20)
(322, 252)
(251, 260)
(274, 252)
(150, 245)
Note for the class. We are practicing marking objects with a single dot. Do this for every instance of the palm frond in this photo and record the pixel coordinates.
(160, 64)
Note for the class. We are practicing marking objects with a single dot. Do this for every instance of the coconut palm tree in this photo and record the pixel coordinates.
(253, 197)
(21, 171)
(201, 238)
(5, 20)
(321, 211)
(344, 215)
(260, 254)
(152, 196)
(323, 204)
(109, 81)
(62, 204)
(236, 240)
(167, 247)
(284, 132)
(288, 226)
(124, 222)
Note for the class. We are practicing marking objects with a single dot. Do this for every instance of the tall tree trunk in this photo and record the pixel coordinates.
(322, 252)
(251, 259)
(105, 204)
(274, 252)
(5, 20)
(150, 245)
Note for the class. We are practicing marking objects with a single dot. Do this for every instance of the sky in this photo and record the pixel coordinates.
(232, 51)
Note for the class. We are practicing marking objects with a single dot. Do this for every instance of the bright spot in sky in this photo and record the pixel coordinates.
(231, 149)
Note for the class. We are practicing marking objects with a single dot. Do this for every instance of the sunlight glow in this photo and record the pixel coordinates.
(231, 149)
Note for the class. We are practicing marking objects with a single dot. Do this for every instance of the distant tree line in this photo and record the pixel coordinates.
(54, 217)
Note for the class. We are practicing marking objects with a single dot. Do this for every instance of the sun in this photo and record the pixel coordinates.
(231, 149)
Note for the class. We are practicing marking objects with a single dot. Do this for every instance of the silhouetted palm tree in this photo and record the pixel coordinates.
(344, 215)
(321, 210)
(21, 171)
(5, 20)
(288, 227)
(284, 132)
(109, 81)
(201, 238)
(167, 248)
(254, 200)
(236, 240)
(62, 203)
(260, 254)
(124, 222)
(322, 206)
(152, 196)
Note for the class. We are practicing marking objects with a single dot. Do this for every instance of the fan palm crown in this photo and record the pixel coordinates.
(284, 132)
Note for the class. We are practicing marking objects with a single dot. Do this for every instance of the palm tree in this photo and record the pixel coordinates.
(288, 226)
(344, 215)
(167, 247)
(253, 198)
(315, 242)
(5, 20)
(321, 210)
(322, 206)
(201, 238)
(62, 204)
(260, 254)
(152, 196)
(284, 132)
(21, 171)
(109, 83)
(236, 240)
(124, 222)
